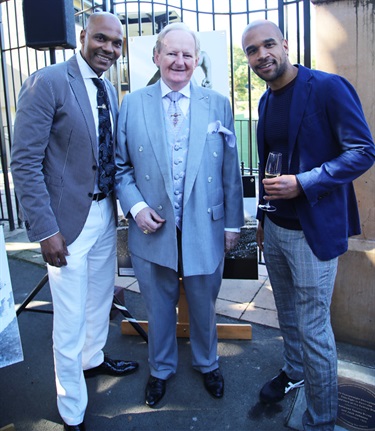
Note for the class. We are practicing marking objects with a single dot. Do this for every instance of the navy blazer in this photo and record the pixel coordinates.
(330, 144)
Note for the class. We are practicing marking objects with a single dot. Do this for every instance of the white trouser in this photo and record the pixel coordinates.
(82, 294)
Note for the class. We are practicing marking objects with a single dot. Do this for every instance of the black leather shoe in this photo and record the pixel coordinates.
(112, 367)
(214, 383)
(79, 427)
(155, 390)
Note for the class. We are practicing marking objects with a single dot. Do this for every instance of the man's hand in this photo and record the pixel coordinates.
(231, 240)
(260, 237)
(283, 187)
(148, 220)
(54, 250)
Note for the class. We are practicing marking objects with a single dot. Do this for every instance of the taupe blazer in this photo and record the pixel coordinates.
(54, 154)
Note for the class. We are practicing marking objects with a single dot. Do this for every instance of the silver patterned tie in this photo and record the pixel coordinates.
(174, 111)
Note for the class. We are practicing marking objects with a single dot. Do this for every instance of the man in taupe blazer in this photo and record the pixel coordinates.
(180, 182)
(55, 165)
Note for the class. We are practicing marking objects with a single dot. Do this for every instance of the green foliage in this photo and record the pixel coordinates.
(241, 81)
(240, 74)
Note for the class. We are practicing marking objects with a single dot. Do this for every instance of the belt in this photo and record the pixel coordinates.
(99, 196)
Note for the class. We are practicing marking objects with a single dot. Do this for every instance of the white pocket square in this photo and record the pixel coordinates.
(217, 127)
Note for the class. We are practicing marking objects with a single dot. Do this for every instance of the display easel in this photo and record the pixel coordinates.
(240, 331)
(117, 303)
(31, 296)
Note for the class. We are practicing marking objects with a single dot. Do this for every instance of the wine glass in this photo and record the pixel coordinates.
(273, 170)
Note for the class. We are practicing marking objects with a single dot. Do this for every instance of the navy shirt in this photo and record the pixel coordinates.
(276, 138)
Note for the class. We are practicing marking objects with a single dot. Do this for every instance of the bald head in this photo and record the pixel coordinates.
(100, 16)
(267, 53)
(101, 41)
(272, 28)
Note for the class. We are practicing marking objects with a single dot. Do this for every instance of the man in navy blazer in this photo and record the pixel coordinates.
(55, 165)
(180, 184)
(316, 121)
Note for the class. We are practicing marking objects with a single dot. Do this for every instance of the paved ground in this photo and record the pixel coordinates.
(27, 396)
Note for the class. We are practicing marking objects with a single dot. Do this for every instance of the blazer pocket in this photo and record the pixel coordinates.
(53, 180)
(212, 137)
(313, 119)
(218, 212)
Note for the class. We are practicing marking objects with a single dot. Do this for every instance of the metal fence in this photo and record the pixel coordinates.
(144, 18)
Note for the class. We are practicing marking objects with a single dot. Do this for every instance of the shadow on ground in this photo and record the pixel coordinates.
(27, 396)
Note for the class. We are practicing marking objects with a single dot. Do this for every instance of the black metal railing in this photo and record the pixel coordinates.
(148, 17)
(248, 155)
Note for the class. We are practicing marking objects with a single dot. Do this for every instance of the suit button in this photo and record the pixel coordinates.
(209, 179)
(94, 168)
(140, 148)
(147, 177)
(90, 195)
(160, 207)
(215, 154)
(209, 210)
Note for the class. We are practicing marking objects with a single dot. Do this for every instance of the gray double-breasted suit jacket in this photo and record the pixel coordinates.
(213, 187)
(54, 153)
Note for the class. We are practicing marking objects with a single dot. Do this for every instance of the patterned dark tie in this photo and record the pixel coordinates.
(106, 160)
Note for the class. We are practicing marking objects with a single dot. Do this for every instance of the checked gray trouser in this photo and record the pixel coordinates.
(302, 286)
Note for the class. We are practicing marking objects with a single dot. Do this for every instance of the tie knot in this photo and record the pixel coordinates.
(99, 83)
(174, 96)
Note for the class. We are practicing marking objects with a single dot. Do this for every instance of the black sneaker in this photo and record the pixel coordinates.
(276, 389)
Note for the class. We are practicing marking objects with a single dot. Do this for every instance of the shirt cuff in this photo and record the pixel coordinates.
(134, 210)
(233, 229)
(49, 236)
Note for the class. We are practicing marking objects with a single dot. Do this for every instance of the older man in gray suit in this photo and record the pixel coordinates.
(178, 177)
(63, 171)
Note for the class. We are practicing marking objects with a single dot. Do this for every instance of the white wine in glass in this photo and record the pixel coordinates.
(273, 170)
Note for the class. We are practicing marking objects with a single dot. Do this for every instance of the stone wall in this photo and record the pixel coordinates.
(345, 44)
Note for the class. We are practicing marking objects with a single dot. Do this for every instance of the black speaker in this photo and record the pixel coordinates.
(49, 24)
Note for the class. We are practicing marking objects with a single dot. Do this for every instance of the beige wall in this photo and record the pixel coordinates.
(345, 44)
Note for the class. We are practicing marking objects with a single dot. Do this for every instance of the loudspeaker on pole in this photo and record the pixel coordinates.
(49, 24)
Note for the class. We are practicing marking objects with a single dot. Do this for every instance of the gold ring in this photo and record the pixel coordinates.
(146, 232)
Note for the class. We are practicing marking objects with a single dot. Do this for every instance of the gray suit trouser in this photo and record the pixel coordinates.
(160, 289)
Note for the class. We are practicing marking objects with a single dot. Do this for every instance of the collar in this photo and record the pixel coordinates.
(185, 91)
(85, 69)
